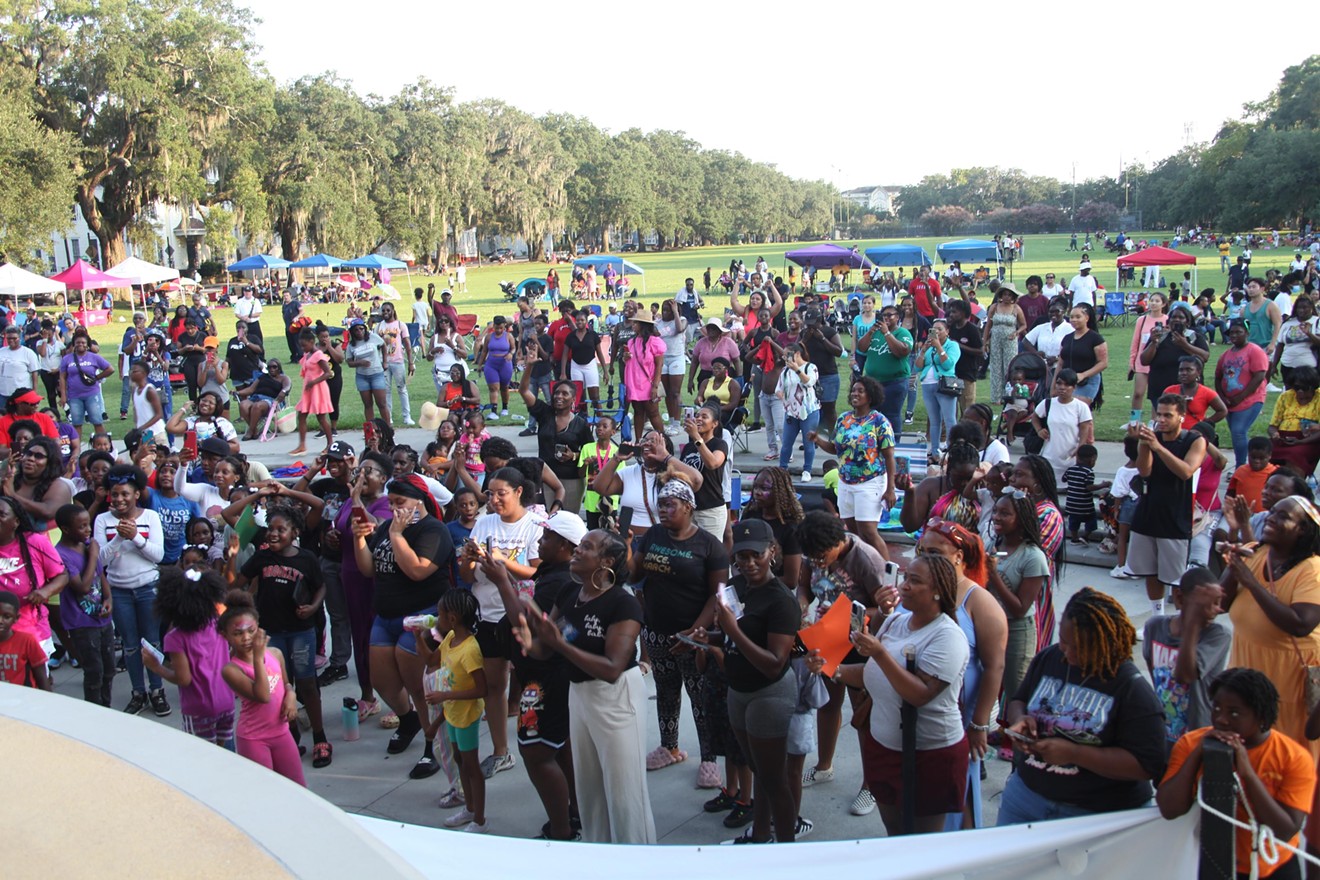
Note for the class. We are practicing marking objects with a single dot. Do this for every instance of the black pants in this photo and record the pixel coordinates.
(51, 380)
(190, 368)
(336, 385)
(95, 646)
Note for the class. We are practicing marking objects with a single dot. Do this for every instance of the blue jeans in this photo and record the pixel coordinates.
(1020, 805)
(792, 428)
(892, 408)
(86, 409)
(1238, 424)
(134, 614)
(940, 409)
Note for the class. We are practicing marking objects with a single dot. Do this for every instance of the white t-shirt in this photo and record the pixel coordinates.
(16, 368)
(1123, 478)
(445, 358)
(1050, 291)
(1297, 352)
(517, 541)
(1083, 288)
(941, 652)
(996, 453)
(1284, 302)
(1048, 339)
(421, 313)
(674, 340)
(247, 309)
(1065, 422)
(637, 481)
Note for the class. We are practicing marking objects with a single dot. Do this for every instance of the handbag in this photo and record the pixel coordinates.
(1310, 674)
(950, 386)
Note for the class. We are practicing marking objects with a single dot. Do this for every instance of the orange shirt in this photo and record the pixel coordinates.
(1285, 768)
(1249, 483)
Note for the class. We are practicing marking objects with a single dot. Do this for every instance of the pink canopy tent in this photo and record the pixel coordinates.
(82, 275)
(1156, 256)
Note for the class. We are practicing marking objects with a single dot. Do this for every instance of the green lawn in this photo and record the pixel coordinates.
(664, 275)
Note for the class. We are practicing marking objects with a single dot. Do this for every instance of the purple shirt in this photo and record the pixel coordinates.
(90, 363)
(207, 653)
(79, 612)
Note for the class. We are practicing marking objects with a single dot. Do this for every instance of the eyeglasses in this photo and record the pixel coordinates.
(35, 454)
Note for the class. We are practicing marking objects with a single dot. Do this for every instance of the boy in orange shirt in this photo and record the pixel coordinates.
(1250, 480)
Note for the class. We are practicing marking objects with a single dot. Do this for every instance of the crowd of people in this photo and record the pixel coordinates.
(467, 582)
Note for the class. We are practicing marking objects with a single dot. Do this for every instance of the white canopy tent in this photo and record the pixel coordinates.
(141, 272)
(19, 283)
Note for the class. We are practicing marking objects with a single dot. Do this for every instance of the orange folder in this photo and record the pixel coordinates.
(830, 635)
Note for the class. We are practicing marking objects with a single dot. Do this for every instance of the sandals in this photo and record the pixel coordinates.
(770, 456)
(389, 721)
(425, 767)
(367, 708)
(321, 754)
(663, 757)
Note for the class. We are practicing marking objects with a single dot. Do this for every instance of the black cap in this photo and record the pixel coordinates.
(752, 534)
(214, 445)
(340, 450)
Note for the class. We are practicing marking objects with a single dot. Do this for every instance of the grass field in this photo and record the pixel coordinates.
(664, 274)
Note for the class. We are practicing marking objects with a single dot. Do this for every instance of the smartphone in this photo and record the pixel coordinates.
(190, 442)
(890, 576)
(628, 449)
(902, 466)
(729, 597)
(359, 514)
(1020, 737)
(858, 622)
(368, 431)
(688, 640)
(149, 648)
(562, 452)
(689, 412)
(490, 545)
(625, 522)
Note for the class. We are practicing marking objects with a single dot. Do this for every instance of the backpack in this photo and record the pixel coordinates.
(1033, 443)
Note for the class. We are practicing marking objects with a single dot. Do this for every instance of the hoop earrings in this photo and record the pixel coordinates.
(599, 588)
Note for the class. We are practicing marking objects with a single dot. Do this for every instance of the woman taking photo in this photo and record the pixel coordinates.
(1033, 476)
(1272, 593)
(35, 482)
(643, 367)
(368, 493)
(1007, 325)
(1076, 761)
(334, 352)
(672, 328)
(797, 389)
(1142, 333)
(409, 556)
(495, 353)
(447, 350)
(1240, 380)
(1298, 338)
(607, 693)
(365, 353)
(638, 488)
(1085, 351)
(935, 360)
(1017, 580)
(1294, 429)
(762, 694)
(928, 592)
(206, 421)
(560, 433)
(1169, 345)
(708, 453)
(682, 567)
(864, 442)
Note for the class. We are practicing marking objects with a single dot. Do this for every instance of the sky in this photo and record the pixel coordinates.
(844, 96)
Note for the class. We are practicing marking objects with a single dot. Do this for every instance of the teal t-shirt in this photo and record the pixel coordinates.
(883, 366)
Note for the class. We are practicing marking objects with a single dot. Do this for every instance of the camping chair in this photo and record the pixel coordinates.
(735, 425)
(1114, 309)
(466, 324)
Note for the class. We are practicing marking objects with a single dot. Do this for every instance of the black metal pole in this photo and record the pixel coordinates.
(908, 721)
(1218, 790)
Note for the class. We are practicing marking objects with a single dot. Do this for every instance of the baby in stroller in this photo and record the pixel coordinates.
(1017, 403)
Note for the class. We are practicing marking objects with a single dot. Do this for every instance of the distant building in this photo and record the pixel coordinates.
(876, 199)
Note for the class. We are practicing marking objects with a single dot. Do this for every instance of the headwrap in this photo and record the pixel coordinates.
(1307, 506)
(413, 486)
(680, 490)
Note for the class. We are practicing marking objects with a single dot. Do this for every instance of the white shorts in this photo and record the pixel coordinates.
(674, 365)
(862, 501)
(587, 374)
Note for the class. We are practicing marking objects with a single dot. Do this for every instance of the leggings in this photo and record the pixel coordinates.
(358, 593)
(336, 385)
(675, 673)
(498, 371)
(278, 753)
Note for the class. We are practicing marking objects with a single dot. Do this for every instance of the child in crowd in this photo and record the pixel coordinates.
(258, 675)
(1184, 651)
(591, 461)
(735, 798)
(1017, 400)
(812, 695)
(174, 510)
(201, 533)
(830, 480)
(1127, 491)
(22, 659)
(467, 507)
(1250, 480)
(474, 434)
(454, 678)
(1079, 503)
(85, 604)
(103, 442)
(186, 601)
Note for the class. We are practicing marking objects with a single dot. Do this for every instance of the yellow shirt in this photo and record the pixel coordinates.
(1289, 415)
(723, 393)
(1223, 248)
(457, 663)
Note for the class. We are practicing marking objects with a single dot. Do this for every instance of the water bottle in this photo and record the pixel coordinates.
(420, 621)
(735, 490)
(350, 719)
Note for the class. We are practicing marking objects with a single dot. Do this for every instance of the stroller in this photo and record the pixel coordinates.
(510, 291)
(1038, 380)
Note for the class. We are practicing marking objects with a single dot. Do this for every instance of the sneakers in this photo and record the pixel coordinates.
(673, 429)
(739, 816)
(159, 704)
(527, 432)
(136, 704)
(331, 674)
(1078, 542)
(459, 819)
(806, 476)
(708, 775)
(803, 828)
(907, 419)
(1121, 572)
(496, 764)
(745, 837)
(505, 413)
(863, 804)
(452, 798)
(721, 802)
(475, 828)
(815, 774)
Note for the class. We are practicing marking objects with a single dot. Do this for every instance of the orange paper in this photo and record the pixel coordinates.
(830, 635)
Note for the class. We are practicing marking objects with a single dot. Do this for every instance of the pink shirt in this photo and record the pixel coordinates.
(207, 652)
(639, 373)
(1140, 336)
(262, 720)
(1233, 374)
(703, 352)
(15, 578)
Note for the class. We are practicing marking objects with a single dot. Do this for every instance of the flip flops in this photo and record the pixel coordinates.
(321, 754)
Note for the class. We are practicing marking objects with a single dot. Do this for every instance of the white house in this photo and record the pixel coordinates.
(877, 199)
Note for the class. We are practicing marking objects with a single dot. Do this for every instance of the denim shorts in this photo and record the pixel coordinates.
(261, 398)
(828, 390)
(373, 382)
(87, 409)
(299, 649)
(388, 632)
(1090, 388)
(1127, 510)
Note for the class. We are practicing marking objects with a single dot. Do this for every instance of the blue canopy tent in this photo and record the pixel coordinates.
(532, 288)
(377, 262)
(969, 250)
(622, 266)
(898, 255)
(317, 261)
(257, 262)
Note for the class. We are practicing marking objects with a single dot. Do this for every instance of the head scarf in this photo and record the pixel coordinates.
(968, 542)
(413, 486)
(680, 490)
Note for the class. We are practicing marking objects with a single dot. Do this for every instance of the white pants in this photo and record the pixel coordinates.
(1152, 277)
(713, 520)
(607, 724)
(587, 374)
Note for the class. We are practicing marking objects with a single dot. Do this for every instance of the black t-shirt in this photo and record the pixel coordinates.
(1164, 366)
(785, 534)
(711, 493)
(186, 338)
(1122, 712)
(1079, 354)
(244, 363)
(1165, 511)
(770, 608)
(545, 367)
(282, 584)
(553, 585)
(398, 595)
(968, 335)
(335, 495)
(575, 436)
(268, 385)
(592, 621)
(288, 312)
(676, 587)
(582, 351)
(825, 361)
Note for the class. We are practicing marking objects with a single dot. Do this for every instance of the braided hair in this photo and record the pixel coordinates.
(1103, 635)
(384, 435)
(962, 452)
(944, 581)
(1027, 519)
(1255, 689)
(289, 513)
(784, 499)
(1043, 473)
(462, 603)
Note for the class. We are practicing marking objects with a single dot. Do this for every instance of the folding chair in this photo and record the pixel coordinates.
(735, 425)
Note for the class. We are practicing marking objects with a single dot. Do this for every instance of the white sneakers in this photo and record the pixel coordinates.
(1121, 572)
(806, 476)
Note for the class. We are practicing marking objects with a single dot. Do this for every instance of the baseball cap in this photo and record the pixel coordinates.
(28, 396)
(211, 342)
(340, 450)
(214, 446)
(1085, 264)
(568, 526)
(752, 534)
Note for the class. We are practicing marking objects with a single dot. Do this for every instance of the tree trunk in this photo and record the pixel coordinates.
(605, 239)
